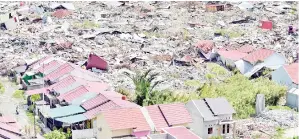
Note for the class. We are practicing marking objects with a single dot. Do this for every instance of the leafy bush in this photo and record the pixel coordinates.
(19, 94)
(35, 97)
(241, 93)
(56, 134)
(2, 89)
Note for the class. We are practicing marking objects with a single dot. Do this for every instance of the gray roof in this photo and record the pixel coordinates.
(204, 110)
(211, 107)
(68, 88)
(220, 106)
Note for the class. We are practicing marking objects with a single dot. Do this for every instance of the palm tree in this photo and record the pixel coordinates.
(144, 85)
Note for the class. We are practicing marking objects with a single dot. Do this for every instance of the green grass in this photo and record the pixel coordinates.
(18, 94)
(2, 88)
(30, 117)
(230, 33)
(193, 83)
(279, 108)
(216, 69)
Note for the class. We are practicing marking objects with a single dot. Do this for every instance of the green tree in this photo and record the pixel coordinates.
(35, 97)
(144, 85)
(56, 134)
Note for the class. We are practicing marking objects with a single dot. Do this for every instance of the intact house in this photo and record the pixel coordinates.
(9, 128)
(287, 75)
(121, 123)
(167, 115)
(211, 117)
(253, 64)
(176, 132)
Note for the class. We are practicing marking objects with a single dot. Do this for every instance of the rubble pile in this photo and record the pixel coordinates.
(143, 35)
(267, 122)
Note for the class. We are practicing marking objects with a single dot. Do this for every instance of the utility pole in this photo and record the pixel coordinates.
(34, 122)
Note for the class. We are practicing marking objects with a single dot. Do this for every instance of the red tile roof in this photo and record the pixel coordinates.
(106, 100)
(246, 49)
(205, 45)
(61, 13)
(62, 70)
(180, 132)
(102, 98)
(7, 119)
(105, 106)
(68, 97)
(9, 128)
(165, 115)
(292, 70)
(126, 118)
(175, 113)
(258, 55)
(232, 54)
(61, 84)
(48, 66)
(9, 134)
(157, 117)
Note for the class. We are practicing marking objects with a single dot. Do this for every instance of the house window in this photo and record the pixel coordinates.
(210, 130)
(223, 129)
(227, 128)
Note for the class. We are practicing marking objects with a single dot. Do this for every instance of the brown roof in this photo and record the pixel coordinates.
(232, 54)
(246, 49)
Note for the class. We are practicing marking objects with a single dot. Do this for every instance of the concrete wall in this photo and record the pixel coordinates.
(293, 100)
(197, 121)
(141, 134)
(103, 131)
(243, 66)
(282, 77)
(210, 124)
(123, 132)
(83, 134)
(275, 61)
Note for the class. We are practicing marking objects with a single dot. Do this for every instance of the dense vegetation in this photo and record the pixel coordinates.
(239, 90)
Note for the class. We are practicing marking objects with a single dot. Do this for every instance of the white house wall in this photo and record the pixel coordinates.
(292, 100)
(275, 61)
(282, 77)
(243, 66)
(197, 121)
(208, 124)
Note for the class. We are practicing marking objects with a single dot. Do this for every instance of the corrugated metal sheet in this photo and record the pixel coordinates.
(48, 66)
(258, 55)
(94, 102)
(84, 98)
(72, 119)
(68, 88)
(65, 111)
(62, 70)
(68, 97)
(106, 106)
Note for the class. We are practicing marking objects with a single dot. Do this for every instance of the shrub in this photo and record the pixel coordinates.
(18, 94)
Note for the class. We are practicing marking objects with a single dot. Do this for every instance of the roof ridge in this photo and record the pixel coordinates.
(163, 115)
(208, 106)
